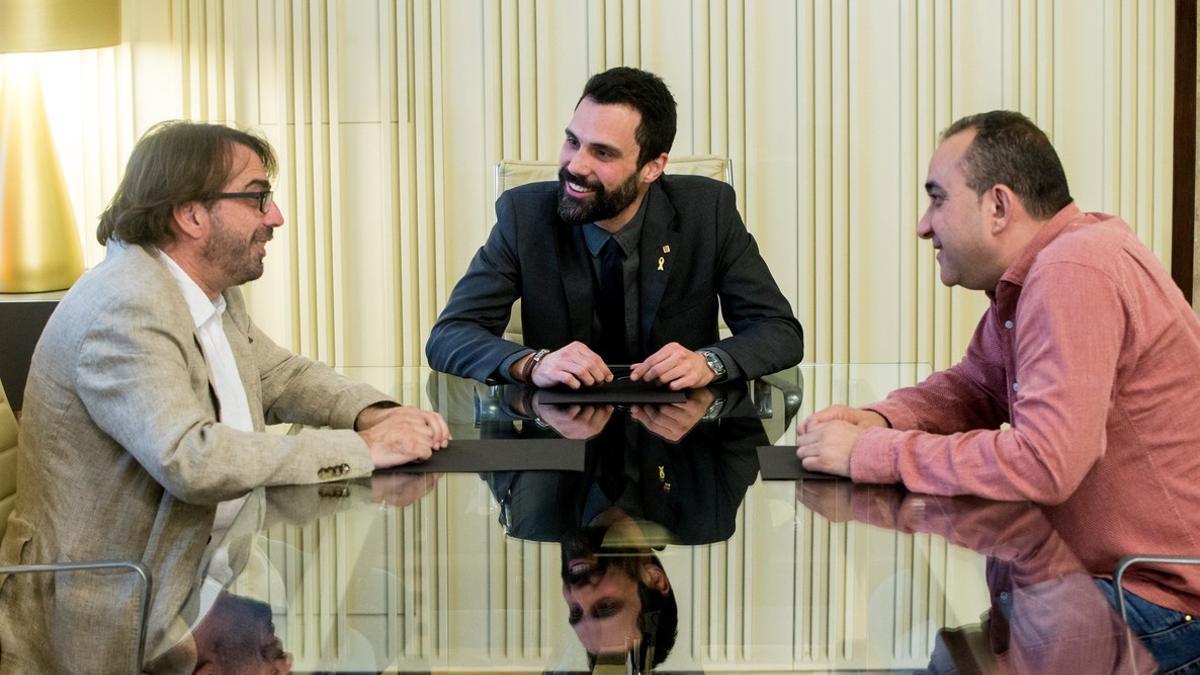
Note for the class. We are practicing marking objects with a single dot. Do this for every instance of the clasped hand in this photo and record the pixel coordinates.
(576, 365)
(400, 434)
(825, 440)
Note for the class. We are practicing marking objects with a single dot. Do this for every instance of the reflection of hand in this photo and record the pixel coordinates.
(672, 421)
(829, 498)
(675, 366)
(576, 422)
(826, 446)
(401, 434)
(574, 365)
(856, 416)
(401, 489)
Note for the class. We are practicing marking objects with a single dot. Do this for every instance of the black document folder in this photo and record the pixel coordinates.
(779, 462)
(502, 454)
(617, 391)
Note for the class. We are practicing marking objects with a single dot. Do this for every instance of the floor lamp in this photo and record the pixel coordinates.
(39, 245)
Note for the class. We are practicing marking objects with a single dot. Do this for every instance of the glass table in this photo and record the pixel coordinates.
(533, 571)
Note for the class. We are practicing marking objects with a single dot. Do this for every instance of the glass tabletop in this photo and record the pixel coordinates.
(667, 550)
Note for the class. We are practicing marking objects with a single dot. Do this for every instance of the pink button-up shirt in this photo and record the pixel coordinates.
(1092, 356)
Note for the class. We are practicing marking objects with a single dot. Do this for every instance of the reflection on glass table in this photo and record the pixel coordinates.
(553, 571)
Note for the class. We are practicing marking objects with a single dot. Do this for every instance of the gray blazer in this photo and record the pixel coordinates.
(691, 222)
(121, 457)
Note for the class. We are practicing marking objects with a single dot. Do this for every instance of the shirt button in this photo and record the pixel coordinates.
(1008, 324)
(1016, 386)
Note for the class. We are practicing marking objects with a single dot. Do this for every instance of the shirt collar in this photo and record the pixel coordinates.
(627, 237)
(1016, 272)
(201, 308)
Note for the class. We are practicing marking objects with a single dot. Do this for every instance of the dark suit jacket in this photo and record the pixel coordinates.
(532, 254)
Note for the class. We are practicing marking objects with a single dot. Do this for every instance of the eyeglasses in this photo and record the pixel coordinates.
(264, 198)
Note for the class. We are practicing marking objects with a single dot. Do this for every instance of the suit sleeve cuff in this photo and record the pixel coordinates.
(504, 372)
(732, 370)
(873, 458)
(347, 408)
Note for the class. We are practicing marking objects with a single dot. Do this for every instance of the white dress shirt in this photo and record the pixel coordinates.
(222, 370)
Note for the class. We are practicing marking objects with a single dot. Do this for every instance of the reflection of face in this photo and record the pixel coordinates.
(603, 589)
(599, 178)
(954, 220)
(238, 231)
(237, 637)
(604, 607)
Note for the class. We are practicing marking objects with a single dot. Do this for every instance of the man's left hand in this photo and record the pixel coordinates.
(675, 366)
(826, 446)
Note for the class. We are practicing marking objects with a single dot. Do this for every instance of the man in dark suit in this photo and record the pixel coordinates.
(618, 264)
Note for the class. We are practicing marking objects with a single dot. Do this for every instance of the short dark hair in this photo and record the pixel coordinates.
(644, 92)
(659, 623)
(173, 163)
(1009, 149)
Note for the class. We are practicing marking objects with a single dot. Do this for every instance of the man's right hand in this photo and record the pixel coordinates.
(576, 422)
(404, 435)
(574, 365)
(856, 416)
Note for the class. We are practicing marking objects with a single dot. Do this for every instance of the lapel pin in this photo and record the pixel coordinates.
(666, 248)
(661, 260)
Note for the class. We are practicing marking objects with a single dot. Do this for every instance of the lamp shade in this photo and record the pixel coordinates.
(52, 25)
(39, 246)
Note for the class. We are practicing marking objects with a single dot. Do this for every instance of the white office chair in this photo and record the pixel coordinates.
(512, 173)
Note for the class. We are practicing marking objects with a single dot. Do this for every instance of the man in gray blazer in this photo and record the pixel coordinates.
(616, 263)
(148, 397)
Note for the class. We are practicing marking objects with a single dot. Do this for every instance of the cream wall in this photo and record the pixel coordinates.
(388, 117)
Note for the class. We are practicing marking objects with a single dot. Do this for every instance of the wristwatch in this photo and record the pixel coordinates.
(714, 362)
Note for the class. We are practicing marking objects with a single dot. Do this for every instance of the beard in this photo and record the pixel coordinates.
(235, 257)
(601, 205)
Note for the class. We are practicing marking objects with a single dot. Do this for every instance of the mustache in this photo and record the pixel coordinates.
(565, 176)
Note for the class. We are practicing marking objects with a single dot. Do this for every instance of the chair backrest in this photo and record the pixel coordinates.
(8, 460)
(512, 173)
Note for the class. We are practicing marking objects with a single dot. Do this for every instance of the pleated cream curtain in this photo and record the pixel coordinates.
(388, 115)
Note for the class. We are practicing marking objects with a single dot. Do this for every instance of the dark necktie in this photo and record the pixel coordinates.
(610, 304)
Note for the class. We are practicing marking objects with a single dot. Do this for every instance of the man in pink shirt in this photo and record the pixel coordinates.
(1089, 353)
